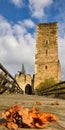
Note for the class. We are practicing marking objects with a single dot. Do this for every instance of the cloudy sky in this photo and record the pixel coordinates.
(18, 20)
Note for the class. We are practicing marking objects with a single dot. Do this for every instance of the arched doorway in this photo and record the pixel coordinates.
(28, 89)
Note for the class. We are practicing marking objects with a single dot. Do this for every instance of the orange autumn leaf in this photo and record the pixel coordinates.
(38, 103)
(55, 103)
(22, 117)
(12, 125)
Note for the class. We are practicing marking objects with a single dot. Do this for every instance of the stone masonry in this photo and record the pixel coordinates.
(23, 80)
(46, 60)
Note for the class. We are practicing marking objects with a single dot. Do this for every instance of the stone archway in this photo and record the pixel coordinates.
(28, 89)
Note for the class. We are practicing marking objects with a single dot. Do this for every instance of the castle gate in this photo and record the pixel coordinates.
(28, 89)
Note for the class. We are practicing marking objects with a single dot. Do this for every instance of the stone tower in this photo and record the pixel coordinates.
(46, 60)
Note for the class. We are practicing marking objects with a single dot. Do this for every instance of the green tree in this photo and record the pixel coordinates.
(46, 84)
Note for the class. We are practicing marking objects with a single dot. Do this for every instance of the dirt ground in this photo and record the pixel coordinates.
(48, 105)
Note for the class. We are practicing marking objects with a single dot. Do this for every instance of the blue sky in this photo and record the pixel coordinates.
(18, 20)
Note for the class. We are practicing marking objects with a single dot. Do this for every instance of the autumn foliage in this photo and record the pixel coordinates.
(22, 117)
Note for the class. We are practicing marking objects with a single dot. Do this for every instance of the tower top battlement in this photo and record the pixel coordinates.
(48, 24)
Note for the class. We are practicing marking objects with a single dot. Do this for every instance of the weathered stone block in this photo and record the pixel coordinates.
(46, 60)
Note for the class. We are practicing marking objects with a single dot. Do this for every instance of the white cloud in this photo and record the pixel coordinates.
(17, 47)
(28, 23)
(37, 7)
(5, 27)
(62, 56)
(18, 3)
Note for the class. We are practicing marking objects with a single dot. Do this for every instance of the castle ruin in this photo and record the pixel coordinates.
(46, 59)
(24, 81)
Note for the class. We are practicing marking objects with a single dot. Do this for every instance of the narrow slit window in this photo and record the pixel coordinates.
(46, 41)
(46, 52)
(46, 67)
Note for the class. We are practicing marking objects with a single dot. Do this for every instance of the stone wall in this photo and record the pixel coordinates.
(23, 80)
(46, 60)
